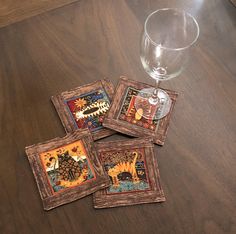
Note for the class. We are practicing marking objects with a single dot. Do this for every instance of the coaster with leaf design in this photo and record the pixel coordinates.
(133, 171)
(85, 107)
(123, 117)
(66, 169)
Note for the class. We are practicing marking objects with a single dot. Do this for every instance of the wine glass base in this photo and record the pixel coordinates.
(149, 108)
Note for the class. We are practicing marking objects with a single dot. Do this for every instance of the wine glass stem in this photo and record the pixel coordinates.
(155, 93)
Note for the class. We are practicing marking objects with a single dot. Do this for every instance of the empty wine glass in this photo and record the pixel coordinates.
(167, 36)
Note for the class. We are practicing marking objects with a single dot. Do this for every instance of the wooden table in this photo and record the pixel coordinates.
(89, 40)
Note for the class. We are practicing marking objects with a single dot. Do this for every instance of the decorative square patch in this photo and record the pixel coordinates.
(88, 110)
(67, 166)
(129, 113)
(127, 170)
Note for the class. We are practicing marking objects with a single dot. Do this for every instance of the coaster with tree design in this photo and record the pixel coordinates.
(133, 171)
(85, 107)
(66, 169)
(123, 117)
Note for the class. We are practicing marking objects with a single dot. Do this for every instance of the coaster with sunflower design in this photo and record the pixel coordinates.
(66, 169)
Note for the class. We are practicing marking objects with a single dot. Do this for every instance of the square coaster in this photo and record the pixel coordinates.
(85, 107)
(133, 171)
(66, 169)
(122, 116)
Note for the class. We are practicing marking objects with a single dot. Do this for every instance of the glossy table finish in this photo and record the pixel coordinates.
(89, 40)
(12, 11)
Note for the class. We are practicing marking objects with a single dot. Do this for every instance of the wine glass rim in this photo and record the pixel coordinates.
(169, 48)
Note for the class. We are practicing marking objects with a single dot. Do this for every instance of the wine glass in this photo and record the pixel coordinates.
(167, 36)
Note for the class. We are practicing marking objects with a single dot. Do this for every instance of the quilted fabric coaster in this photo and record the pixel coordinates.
(123, 117)
(133, 171)
(85, 107)
(66, 169)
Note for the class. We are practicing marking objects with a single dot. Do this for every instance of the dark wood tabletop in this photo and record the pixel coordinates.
(87, 41)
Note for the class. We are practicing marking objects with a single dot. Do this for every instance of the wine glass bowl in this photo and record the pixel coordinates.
(164, 51)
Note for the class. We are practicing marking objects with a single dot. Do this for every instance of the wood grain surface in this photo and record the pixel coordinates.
(84, 42)
(12, 11)
(234, 2)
